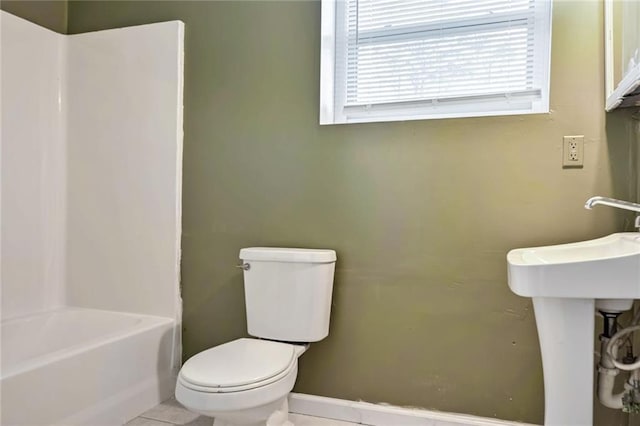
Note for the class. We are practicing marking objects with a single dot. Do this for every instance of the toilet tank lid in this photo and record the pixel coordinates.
(280, 254)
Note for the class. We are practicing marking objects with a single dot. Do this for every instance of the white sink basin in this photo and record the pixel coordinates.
(604, 268)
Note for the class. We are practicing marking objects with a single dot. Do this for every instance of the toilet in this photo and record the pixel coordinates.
(288, 302)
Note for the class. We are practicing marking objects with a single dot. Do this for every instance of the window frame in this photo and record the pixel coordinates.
(332, 109)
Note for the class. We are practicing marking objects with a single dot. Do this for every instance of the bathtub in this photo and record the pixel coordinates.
(76, 366)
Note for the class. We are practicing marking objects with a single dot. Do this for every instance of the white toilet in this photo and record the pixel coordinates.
(288, 302)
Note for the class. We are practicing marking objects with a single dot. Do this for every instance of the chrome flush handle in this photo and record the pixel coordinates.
(244, 266)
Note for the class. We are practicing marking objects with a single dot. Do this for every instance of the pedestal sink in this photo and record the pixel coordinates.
(566, 281)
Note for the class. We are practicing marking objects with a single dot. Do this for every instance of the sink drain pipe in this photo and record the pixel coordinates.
(609, 367)
(607, 372)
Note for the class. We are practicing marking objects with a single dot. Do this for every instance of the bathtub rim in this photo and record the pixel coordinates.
(149, 322)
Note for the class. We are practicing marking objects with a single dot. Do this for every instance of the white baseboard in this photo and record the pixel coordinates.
(383, 415)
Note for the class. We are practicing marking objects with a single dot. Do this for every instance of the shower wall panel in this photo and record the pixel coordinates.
(125, 160)
(33, 163)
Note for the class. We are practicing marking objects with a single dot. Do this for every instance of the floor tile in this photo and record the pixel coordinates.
(140, 421)
(171, 411)
(200, 421)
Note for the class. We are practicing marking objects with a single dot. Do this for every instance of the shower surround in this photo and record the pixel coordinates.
(91, 162)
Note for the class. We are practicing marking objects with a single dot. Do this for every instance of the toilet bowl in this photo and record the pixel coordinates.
(246, 381)
(243, 382)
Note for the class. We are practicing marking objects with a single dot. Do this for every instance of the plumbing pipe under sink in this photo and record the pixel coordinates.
(609, 368)
(607, 374)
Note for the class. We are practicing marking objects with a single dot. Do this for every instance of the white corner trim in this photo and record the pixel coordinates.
(383, 415)
(327, 61)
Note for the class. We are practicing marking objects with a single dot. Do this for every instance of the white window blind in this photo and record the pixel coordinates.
(413, 59)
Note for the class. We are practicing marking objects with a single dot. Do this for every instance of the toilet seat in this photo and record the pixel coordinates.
(237, 366)
(214, 403)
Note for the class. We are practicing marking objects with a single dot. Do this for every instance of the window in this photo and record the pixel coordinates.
(388, 60)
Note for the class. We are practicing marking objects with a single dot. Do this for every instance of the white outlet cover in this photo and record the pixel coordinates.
(573, 151)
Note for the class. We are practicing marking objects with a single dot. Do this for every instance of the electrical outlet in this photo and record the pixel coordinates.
(572, 151)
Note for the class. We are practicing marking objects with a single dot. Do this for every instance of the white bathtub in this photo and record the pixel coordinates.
(77, 366)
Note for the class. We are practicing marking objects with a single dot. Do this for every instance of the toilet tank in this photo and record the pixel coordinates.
(288, 292)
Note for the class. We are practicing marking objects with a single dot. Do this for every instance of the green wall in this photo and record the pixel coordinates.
(636, 140)
(421, 213)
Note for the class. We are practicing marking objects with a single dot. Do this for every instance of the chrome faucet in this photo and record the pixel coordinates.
(612, 202)
(626, 205)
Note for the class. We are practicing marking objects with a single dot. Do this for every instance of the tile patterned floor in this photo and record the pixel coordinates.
(172, 413)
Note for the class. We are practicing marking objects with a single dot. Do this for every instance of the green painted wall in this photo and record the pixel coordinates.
(50, 14)
(421, 213)
(636, 140)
